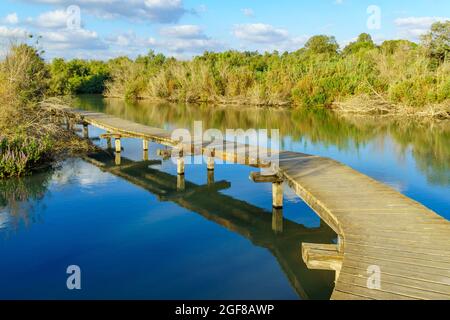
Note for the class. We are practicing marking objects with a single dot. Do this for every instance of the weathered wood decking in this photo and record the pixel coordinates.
(379, 228)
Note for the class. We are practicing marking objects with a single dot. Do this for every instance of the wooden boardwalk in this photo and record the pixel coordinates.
(390, 246)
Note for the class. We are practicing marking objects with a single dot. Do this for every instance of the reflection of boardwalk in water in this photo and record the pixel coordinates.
(281, 237)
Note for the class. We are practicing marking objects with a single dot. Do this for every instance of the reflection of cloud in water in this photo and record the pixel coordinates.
(4, 218)
(78, 172)
(290, 195)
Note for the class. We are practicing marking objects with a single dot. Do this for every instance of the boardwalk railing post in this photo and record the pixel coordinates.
(180, 163)
(277, 194)
(277, 220)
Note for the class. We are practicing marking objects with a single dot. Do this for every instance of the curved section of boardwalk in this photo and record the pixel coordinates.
(378, 227)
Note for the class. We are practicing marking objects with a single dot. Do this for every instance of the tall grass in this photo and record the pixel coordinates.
(399, 74)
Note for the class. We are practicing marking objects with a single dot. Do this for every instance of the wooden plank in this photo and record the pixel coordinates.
(391, 287)
(339, 295)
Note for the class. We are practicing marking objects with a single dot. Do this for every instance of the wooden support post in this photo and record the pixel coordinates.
(108, 143)
(277, 220)
(180, 163)
(211, 178)
(145, 145)
(85, 131)
(181, 182)
(69, 124)
(210, 160)
(277, 195)
(145, 155)
(118, 145)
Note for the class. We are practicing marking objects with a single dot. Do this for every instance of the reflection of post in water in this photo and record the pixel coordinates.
(210, 174)
(277, 220)
(118, 158)
(283, 238)
(181, 182)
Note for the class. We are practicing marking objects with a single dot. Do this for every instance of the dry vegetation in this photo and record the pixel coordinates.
(30, 136)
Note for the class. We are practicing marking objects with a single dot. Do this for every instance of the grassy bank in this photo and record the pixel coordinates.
(31, 136)
(398, 76)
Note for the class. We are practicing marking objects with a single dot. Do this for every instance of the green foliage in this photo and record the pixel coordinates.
(364, 42)
(389, 47)
(322, 44)
(78, 77)
(437, 42)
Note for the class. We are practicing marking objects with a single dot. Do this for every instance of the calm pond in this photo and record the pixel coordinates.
(135, 237)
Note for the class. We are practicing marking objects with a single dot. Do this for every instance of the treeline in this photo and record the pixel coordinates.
(395, 73)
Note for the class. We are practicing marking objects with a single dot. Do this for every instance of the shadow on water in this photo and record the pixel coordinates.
(428, 141)
(269, 230)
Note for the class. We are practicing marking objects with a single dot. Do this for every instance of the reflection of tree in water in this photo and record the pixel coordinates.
(430, 147)
(428, 142)
(18, 198)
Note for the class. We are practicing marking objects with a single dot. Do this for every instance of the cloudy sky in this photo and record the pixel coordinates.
(103, 29)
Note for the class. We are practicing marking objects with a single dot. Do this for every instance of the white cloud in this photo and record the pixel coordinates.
(183, 32)
(71, 39)
(260, 33)
(413, 27)
(181, 41)
(160, 11)
(265, 37)
(12, 18)
(191, 46)
(52, 19)
(12, 33)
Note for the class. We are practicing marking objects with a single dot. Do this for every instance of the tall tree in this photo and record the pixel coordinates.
(437, 41)
(322, 44)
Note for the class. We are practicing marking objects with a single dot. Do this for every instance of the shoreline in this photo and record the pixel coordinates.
(356, 105)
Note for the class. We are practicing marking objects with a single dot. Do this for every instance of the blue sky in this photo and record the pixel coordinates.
(182, 28)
